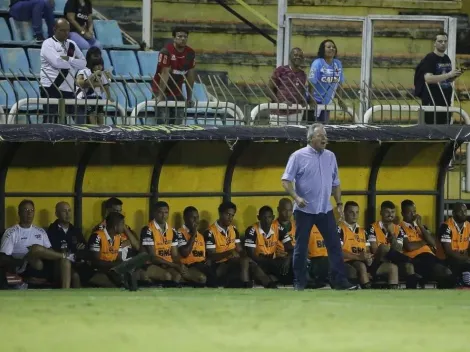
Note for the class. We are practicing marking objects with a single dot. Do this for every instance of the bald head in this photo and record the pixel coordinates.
(61, 29)
(459, 212)
(285, 209)
(63, 211)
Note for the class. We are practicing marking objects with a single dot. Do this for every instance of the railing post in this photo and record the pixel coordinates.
(61, 112)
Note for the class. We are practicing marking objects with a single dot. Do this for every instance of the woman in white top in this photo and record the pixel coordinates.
(93, 83)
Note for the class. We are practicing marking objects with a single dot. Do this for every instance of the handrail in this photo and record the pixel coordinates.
(232, 109)
(415, 108)
(54, 101)
(282, 106)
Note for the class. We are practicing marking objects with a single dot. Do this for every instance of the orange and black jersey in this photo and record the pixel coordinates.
(451, 233)
(108, 248)
(316, 244)
(263, 243)
(353, 238)
(376, 234)
(161, 239)
(198, 252)
(413, 234)
(290, 230)
(220, 239)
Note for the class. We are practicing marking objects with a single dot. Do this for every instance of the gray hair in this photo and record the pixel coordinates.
(311, 130)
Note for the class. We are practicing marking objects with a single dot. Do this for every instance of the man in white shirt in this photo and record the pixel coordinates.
(61, 59)
(25, 247)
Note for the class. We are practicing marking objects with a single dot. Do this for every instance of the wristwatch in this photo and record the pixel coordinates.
(82, 32)
(339, 203)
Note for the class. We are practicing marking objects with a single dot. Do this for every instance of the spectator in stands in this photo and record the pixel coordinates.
(261, 240)
(160, 241)
(420, 245)
(355, 246)
(436, 70)
(326, 74)
(284, 222)
(224, 248)
(34, 11)
(79, 14)
(65, 237)
(192, 248)
(92, 83)
(25, 249)
(129, 242)
(313, 205)
(386, 244)
(454, 237)
(106, 261)
(318, 268)
(176, 65)
(288, 85)
(60, 61)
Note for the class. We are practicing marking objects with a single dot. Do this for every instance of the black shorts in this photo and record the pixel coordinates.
(424, 264)
(271, 266)
(456, 267)
(47, 273)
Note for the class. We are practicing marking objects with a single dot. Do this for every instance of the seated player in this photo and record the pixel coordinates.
(160, 241)
(318, 260)
(25, 250)
(130, 243)
(420, 246)
(355, 247)
(386, 244)
(261, 240)
(192, 248)
(106, 261)
(453, 245)
(224, 249)
(285, 223)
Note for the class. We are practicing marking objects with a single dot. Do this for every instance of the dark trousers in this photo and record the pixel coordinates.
(51, 111)
(34, 11)
(327, 226)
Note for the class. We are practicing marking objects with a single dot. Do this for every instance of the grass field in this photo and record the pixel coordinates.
(234, 320)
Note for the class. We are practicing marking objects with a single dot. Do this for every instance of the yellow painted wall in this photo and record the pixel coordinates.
(200, 167)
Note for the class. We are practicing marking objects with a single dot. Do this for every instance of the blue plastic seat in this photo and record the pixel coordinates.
(118, 93)
(31, 113)
(4, 6)
(59, 7)
(125, 64)
(109, 34)
(105, 56)
(15, 62)
(34, 60)
(5, 35)
(138, 93)
(148, 61)
(23, 31)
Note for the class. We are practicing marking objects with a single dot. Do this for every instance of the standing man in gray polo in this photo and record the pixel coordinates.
(311, 177)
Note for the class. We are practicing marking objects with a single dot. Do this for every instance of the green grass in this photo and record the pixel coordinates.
(233, 320)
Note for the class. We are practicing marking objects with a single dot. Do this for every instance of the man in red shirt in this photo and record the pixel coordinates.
(176, 63)
(288, 85)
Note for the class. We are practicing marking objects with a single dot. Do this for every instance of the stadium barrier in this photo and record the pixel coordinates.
(220, 101)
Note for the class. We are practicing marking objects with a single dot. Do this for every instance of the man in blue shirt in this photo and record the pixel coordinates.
(314, 171)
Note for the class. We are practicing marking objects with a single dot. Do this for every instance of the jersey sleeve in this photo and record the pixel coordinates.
(315, 72)
(164, 58)
(8, 242)
(341, 235)
(370, 235)
(174, 242)
(94, 243)
(146, 237)
(209, 239)
(250, 237)
(181, 239)
(237, 235)
(292, 167)
(45, 239)
(284, 237)
(445, 234)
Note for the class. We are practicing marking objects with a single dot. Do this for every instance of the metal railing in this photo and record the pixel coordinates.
(218, 100)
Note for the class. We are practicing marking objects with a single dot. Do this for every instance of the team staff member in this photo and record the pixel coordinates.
(176, 65)
(436, 70)
(160, 241)
(313, 206)
(25, 249)
(129, 242)
(106, 260)
(318, 260)
(261, 240)
(355, 246)
(284, 222)
(224, 250)
(420, 246)
(453, 245)
(61, 59)
(192, 248)
(386, 244)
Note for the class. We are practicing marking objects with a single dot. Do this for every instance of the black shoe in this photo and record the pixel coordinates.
(346, 286)
(38, 39)
(131, 281)
(272, 285)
